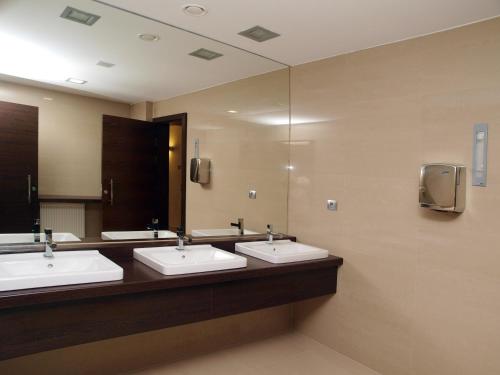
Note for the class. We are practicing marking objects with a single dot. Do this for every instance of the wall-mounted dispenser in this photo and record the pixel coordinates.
(480, 155)
(442, 187)
(200, 168)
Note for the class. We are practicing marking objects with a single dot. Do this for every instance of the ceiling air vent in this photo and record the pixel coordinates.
(79, 16)
(205, 54)
(259, 34)
(105, 64)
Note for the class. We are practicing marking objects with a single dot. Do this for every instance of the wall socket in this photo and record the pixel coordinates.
(252, 194)
(331, 205)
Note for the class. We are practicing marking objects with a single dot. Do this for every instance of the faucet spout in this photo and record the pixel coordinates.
(50, 245)
(240, 225)
(182, 238)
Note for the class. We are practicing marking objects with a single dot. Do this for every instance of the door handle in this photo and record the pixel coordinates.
(29, 189)
(111, 192)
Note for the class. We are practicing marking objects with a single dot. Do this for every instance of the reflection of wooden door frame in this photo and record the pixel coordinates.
(128, 179)
(182, 119)
(19, 204)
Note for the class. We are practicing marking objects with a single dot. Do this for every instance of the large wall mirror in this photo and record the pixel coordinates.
(102, 112)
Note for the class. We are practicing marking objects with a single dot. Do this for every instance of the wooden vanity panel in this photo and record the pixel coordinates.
(45, 327)
(36, 320)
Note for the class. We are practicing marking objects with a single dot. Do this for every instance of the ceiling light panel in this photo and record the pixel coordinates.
(149, 37)
(259, 34)
(205, 54)
(76, 80)
(79, 16)
(195, 10)
(105, 64)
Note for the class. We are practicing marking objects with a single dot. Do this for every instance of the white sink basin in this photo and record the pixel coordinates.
(30, 237)
(33, 270)
(283, 251)
(219, 232)
(196, 258)
(136, 235)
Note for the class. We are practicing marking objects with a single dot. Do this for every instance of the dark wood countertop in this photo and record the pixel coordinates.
(138, 278)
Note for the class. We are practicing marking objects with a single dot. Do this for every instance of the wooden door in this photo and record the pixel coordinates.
(19, 205)
(129, 167)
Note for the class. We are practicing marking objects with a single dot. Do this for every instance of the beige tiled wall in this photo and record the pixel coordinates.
(248, 150)
(419, 290)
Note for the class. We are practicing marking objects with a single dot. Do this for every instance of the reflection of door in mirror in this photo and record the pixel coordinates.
(135, 173)
(18, 167)
(175, 162)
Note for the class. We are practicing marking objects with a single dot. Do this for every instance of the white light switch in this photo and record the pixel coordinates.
(252, 194)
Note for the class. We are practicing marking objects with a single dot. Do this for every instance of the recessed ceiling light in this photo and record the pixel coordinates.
(232, 111)
(105, 64)
(259, 34)
(79, 16)
(205, 54)
(195, 10)
(149, 37)
(76, 80)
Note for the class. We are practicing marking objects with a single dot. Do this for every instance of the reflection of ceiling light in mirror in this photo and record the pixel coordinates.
(149, 37)
(296, 143)
(19, 61)
(232, 111)
(105, 64)
(79, 16)
(76, 80)
(195, 10)
(205, 54)
(285, 120)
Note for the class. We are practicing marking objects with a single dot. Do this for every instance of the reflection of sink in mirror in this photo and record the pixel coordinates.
(197, 258)
(284, 251)
(136, 235)
(219, 232)
(29, 237)
(33, 270)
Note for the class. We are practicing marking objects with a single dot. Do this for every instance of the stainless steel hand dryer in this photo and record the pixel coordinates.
(442, 187)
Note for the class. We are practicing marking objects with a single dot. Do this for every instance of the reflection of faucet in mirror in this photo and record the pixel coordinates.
(50, 245)
(36, 230)
(154, 227)
(181, 238)
(240, 225)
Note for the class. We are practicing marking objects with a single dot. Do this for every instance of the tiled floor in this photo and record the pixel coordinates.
(290, 354)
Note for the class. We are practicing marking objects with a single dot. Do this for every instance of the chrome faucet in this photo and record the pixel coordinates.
(154, 227)
(240, 225)
(50, 245)
(36, 230)
(270, 234)
(182, 238)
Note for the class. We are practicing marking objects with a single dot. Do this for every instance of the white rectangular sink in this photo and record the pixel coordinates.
(30, 237)
(33, 270)
(136, 235)
(283, 251)
(196, 258)
(219, 232)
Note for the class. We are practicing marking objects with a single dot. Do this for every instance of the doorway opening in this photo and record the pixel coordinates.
(172, 170)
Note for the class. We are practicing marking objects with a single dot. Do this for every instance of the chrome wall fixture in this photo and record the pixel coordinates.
(442, 187)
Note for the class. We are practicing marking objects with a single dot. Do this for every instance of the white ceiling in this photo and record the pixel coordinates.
(315, 29)
(46, 49)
